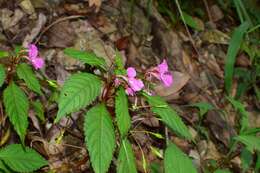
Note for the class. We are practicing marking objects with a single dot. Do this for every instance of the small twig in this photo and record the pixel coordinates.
(186, 28)
(73, 146)
(208, 10)
(196, 50)
(143, 156)
(54, 23)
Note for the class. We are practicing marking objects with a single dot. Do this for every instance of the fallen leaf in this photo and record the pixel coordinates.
(243, 61)
(208, 150)
(215, 36)
(35, 31)
(216, 12)
(179, 81)
(96, 3)
(122, 43)
(220, 128)
(27, 7)
(35, 121)
(9, 18)
(58, 32)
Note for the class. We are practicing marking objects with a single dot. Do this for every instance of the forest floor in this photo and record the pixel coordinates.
(144, 36)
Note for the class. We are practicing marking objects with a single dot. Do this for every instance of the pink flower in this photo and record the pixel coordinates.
(131, 73)
(161, 73)
(117, 82)
(131, 84)
(36, 61)
(129, 91)
(135, 84)
(33, 51)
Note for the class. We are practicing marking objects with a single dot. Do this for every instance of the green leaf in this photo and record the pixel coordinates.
(190, 21)
(222, 171)
(176, 161)
(22, 159)
(251, 142)
(257, 92)
(155, 167)
(25, 72)
(86, 57)
(17, 106)
(78, 92)
(38, 108)
(126, 159)
(244, 114)
(246, 159)
(203, 107)
(156, 152)
(3, 54)
(168, 116)
(99, 137)
(17, 49)
(4, 168)
(119, 70)
(2, 74)
(251, 131)
(257, 164)
(122, 114)
(118, 61)
(233, 49)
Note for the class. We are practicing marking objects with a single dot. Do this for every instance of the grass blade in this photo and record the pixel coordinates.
(233, 49)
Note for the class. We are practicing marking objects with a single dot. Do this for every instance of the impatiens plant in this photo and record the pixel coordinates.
(16, 78)
(115, 84)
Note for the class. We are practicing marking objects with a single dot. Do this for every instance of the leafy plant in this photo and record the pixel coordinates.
(15, 82)
(176, 161)
(233, 49)
(20, 159)
(251, 142)
(222, 171)
(78, 92)
(203, 107)
(17, 107)
(92, 92)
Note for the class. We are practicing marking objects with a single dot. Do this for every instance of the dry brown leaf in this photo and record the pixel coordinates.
(215, 37)
(36, 30)
(96, 3)
(221, 129)
(35, 121)
(27, 7)
(58, 32)
(188, 64)
(9, 18)
(217, 13)
(179, 81)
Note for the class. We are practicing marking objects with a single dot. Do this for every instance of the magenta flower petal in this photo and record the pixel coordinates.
(33, 51)
(163, 67)
(129, 91)
(117, 82)
(167, 79)
(131, 73)
(161, 73)
(135, 84)
(37, 62)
